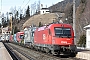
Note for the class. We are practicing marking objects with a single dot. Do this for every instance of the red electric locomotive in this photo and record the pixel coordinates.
(19, 36)
(55, 38)
(11, 38)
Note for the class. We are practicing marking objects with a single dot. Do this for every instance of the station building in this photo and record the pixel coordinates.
(87, 28)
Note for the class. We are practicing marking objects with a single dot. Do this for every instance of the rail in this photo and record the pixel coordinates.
(13, 55)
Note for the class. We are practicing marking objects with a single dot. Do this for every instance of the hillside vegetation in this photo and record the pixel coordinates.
(41, 18)
(82, 17)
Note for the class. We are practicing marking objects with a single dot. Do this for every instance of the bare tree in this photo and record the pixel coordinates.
(69, 12)
(33, 8)
(38, 6)
(7, 17)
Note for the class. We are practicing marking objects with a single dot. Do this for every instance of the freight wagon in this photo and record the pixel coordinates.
(29, 35)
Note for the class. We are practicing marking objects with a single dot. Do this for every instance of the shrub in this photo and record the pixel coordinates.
(83, 1)
(82, 41)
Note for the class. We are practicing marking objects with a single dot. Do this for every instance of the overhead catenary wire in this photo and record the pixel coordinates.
(1, 9)
(20, 8)
(26, 4)
(1, 5)
(23, 2)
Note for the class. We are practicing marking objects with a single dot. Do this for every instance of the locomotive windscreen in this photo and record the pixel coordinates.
(21, 37)
(62, 32)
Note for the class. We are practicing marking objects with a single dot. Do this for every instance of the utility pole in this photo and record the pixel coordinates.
(11, 21)
(75, 41)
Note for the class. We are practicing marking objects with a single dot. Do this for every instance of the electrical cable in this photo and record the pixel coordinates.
(27, 3)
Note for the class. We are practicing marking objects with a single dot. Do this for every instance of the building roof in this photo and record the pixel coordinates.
(87, 27)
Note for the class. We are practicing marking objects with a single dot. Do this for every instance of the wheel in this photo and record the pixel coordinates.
(46, 50)
(53, 53)
(73, 54)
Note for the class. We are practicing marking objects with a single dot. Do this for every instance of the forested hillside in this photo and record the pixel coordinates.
(60, 6)
(82, 17)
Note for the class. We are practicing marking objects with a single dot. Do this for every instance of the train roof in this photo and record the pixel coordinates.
(57, 24)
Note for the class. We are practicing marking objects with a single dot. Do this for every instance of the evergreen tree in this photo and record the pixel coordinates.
(28, 12)
(17, 14)
(21, 16)
(40, 24)
(83, 1)
(82, 40)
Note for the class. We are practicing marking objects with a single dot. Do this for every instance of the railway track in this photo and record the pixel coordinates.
(12, 53)
(29, 54)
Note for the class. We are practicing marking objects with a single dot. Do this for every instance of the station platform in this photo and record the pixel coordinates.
(4, 55)
(83, 54)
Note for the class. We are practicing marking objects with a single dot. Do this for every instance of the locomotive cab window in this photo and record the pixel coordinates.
(62, 32)
(21, 36)
(32, 34)
(25, 35)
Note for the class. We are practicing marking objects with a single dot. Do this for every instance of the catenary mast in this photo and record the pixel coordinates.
(74, 22)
